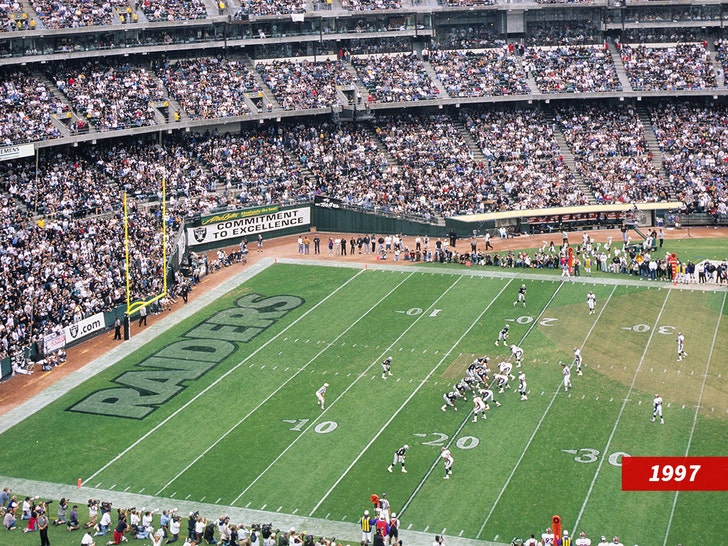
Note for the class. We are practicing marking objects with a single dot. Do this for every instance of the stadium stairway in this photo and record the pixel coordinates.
(650, 137)
(266, 96)
(433, 76)
(619, 67)
(569, 159)
(369, 128)
(717, 67)
(63, 123)
(174, 106)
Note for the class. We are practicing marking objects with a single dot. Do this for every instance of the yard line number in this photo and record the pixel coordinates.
(440, 439)
(586, 455)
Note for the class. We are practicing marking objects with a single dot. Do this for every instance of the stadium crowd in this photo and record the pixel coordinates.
(694, 140)
(299, 85)
(524, 158)
(76, 13)
(395, 78)
(209, 87)
(682, 66)
(490, 73)
(612, 154)
(112, 96)
(573, 69)
(27, 106)
(173, 10)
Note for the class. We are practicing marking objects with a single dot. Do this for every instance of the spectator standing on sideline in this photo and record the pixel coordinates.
(117, 328)
(143, 316)
(260, 242)
(43, 529)
(316, 244)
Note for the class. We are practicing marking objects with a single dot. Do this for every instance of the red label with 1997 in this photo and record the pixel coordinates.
(675, 474)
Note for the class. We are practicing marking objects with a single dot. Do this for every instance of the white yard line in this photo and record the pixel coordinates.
(218, 380)
(402, 406)
(314, 422)
(605, 451)
(283, 384)
(545, 413)
(697, 410)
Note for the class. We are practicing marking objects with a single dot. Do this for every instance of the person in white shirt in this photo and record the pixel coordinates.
(88, 539)
(582, 540)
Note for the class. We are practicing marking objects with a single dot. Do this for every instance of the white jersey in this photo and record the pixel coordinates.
(591, 300)
(517, 352)
(577, 357)
(680, 344)
(478, 404)
(547, 539)
(657, 404)
(505, 367)
(582, 542)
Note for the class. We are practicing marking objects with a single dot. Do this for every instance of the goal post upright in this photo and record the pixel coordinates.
(133, 307)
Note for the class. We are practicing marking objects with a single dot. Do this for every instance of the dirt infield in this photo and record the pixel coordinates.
(20, 388)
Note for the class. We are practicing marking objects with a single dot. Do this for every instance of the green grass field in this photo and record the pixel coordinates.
(221, 408)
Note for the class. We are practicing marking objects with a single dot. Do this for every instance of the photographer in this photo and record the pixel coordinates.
(73, 524)
(209, 533)
(174, 527)
(62, 507)
(103, 527)
(93, 512)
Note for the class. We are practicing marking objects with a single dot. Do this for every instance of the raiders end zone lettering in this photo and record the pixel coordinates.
(162, 375)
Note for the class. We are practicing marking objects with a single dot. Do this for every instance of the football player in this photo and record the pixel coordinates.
(398, 458)
(517, 352)
(522, 385)
(521, 296)
(450, 399)
(487, 396)
(591, 301)
(577, 360)
(501, 381)
(387, 367)
(657, 409)
(478, 407)
(680, 347)
(505, 368)
(566, 372)
(448, 461)
(502, 335)
(321, 395)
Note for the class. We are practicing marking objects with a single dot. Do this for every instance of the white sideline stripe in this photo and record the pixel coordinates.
(545, 413)
(621, 411)
(317, 419)
(697, 409)
(218, 380)
(401, 407)
(273, 393)
(499, 273)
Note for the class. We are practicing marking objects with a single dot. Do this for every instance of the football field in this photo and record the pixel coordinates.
(219, 407)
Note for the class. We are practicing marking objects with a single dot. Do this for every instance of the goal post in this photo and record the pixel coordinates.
(134, 306)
